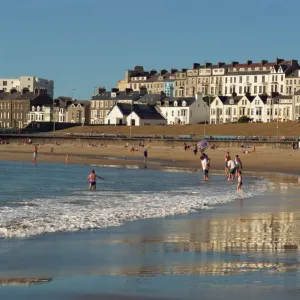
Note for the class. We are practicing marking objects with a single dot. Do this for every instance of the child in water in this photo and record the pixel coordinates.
(240, 181)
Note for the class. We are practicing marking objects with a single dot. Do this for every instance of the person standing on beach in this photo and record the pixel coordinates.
(67, 158)
(92, 178)
(227, 158)
(145, 156)
(238, 163)
(232, 169)
(35, 150)
(195, 149)
(204, 167)
(240, 181)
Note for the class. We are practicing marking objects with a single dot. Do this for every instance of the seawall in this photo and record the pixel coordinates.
(90, 140)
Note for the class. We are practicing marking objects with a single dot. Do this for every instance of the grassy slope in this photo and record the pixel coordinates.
(258, 129)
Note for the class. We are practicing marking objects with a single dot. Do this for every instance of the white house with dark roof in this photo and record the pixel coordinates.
(102, 103)
(224, 109)
(183, 110)
(134, 115)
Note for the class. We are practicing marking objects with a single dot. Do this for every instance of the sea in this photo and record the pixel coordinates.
(48, 198)
(145, 234)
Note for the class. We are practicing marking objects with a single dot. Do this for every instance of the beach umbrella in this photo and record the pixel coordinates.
(202, 145)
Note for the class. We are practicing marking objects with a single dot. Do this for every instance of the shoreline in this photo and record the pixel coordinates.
(269, 164)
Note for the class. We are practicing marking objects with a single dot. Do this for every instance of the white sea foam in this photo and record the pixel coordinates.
(86, 210)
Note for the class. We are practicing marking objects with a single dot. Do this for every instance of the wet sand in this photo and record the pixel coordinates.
(263, 160)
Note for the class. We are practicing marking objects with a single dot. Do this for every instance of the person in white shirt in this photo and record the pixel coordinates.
(232, 169)
(204, 167)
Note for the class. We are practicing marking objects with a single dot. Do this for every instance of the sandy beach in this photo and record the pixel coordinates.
(263, 160)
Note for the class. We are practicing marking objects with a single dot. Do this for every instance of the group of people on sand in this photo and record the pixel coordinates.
(233, 169)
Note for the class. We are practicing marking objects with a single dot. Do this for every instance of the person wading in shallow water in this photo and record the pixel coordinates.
(92, 178)
(35, 150)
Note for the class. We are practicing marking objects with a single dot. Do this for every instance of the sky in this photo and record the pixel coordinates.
(82, 44)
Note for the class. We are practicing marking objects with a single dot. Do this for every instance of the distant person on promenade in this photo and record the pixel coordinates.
(227, 158)
(35, 151)
(92, 178)
(240, 181)
(204, 167)
(145, 156)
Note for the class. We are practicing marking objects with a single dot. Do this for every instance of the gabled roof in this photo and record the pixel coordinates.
(294, 74)
(147, 112)
(143, 111)
(297, 93)
(147, 98)
(188, 100)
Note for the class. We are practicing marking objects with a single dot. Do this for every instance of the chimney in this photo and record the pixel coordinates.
(114, 90)
(279, 60)
(143, 90)
(101, 90)
(173, 71)
(207, 64)
(234, 63)
(220, 64)
(247, 94)
(196, 66)
(127, 91)
(234, 94)
(294, 62)
(183, 70)
(249, 62)
(153, 72)
(163, 71)
(139, 69)
(263, 62)
(25, 90)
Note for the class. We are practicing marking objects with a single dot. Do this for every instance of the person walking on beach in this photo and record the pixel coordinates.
(145, 156)
(204, 167)
(35, 150)
(227, 158)
(195, 149)
(240, 181)
(92, 178)
(238, 163)
(232, 169)
(67, 158)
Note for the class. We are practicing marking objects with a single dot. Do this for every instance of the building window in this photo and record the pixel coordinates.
(255, 89)
(172, 113)
(263, 78)
(281, 89)
(4, 83)
(241, 79)
(255, 78)
(240, 90)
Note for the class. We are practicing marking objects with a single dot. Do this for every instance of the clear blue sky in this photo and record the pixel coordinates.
(82, 44)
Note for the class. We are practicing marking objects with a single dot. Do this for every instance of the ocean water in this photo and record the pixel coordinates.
(50, 198)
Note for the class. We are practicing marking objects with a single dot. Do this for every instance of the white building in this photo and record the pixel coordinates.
(40, 114)
(31, 83)
(258, 78)
(186, 110)
(134, 115)
(259, 108)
